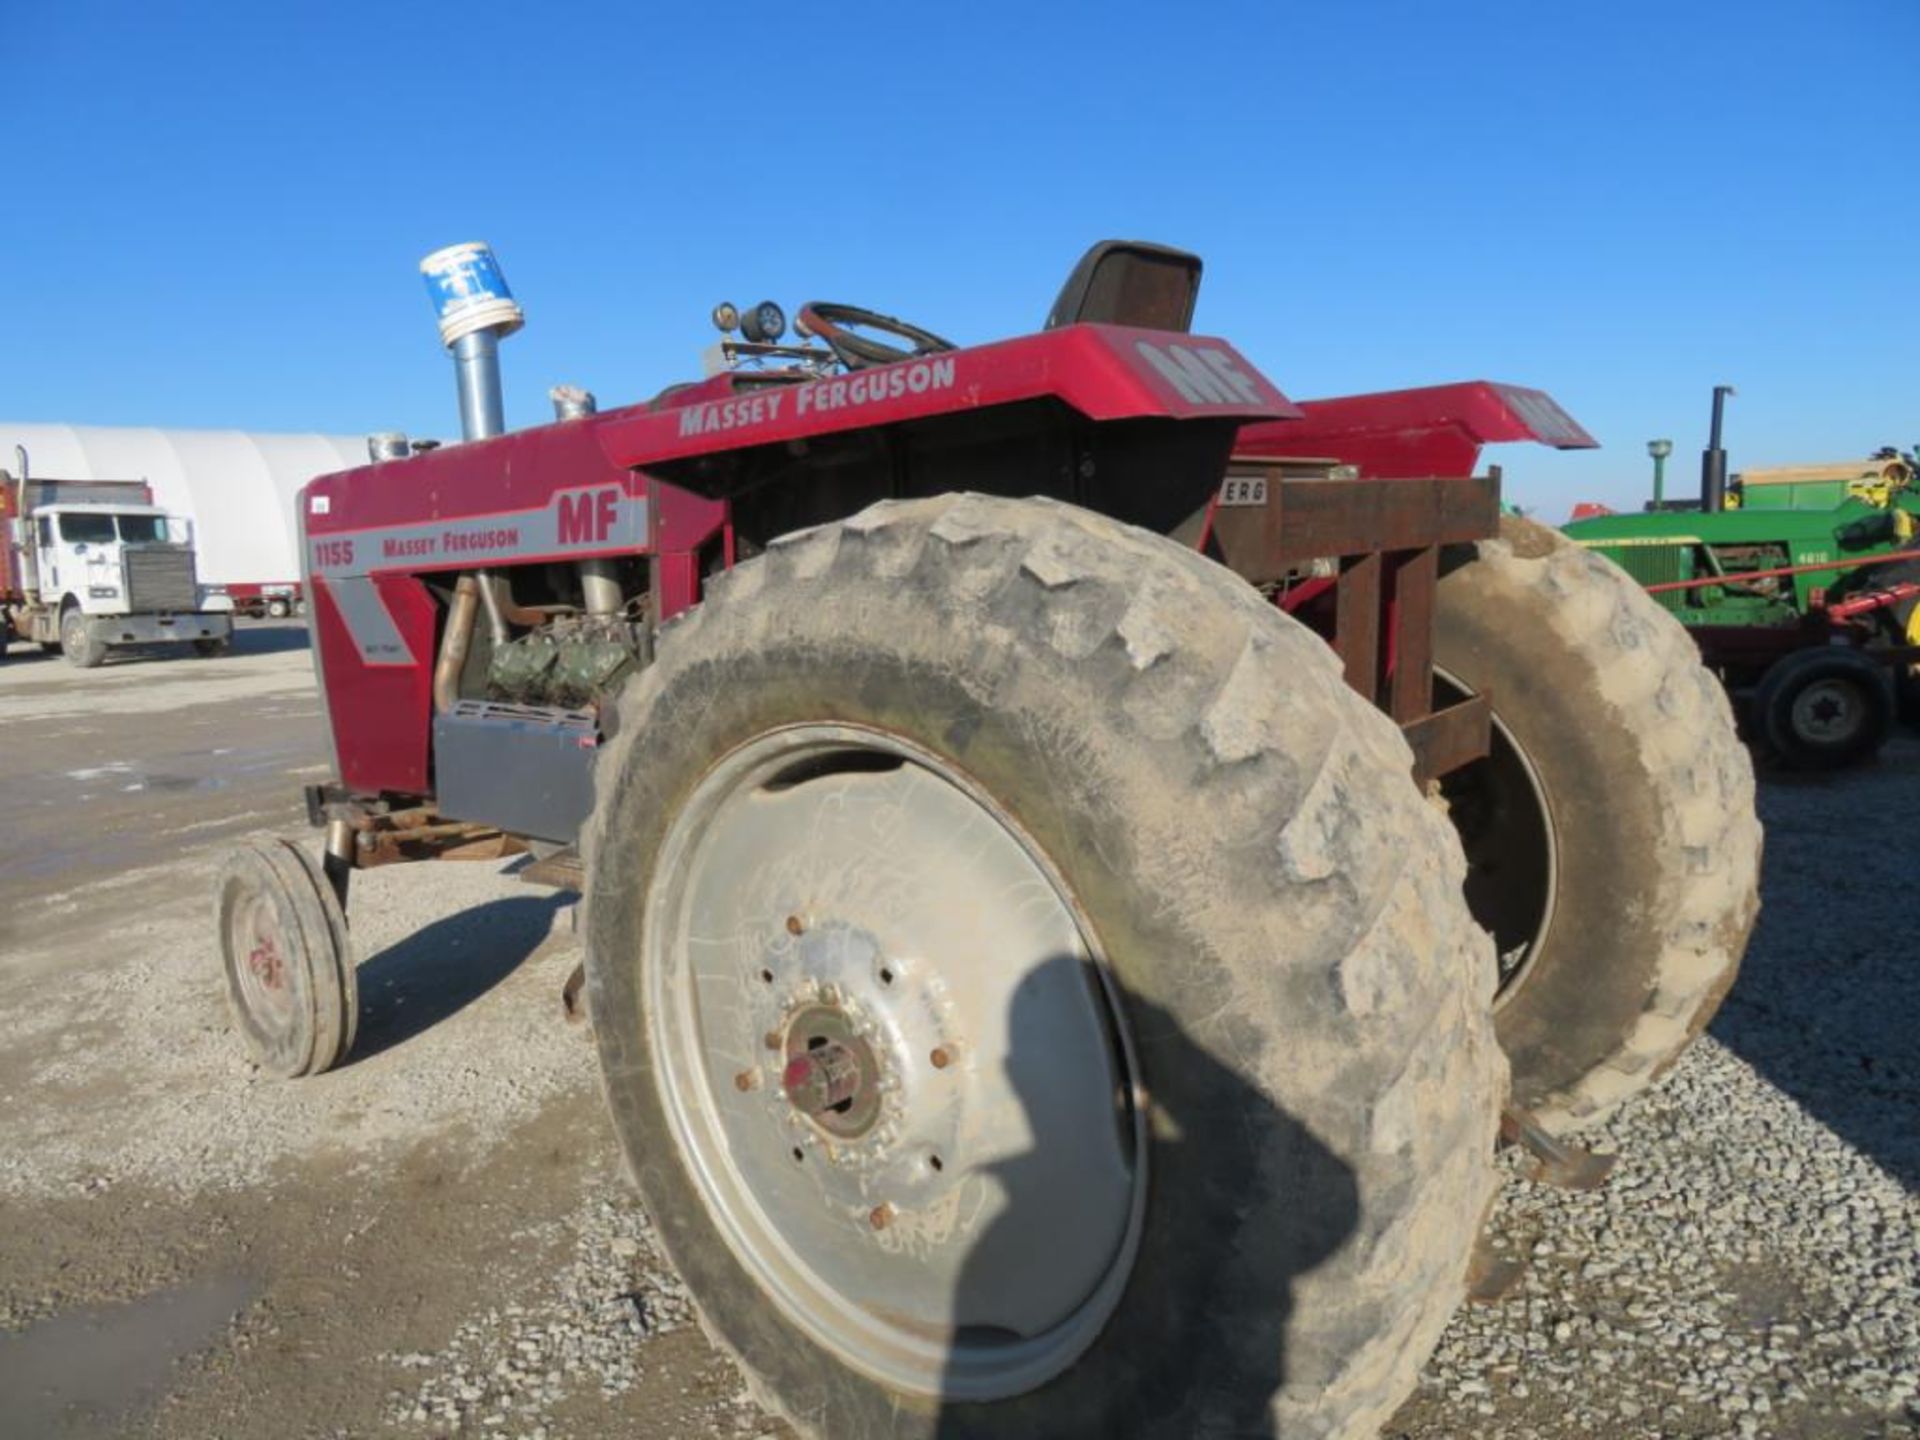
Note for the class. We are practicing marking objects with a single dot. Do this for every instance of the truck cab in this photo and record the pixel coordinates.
(116, 560)
(93, 569)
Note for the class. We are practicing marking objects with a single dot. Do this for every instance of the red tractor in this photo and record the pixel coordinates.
(1041, 809)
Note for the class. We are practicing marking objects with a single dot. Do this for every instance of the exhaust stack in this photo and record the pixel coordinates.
(1713, 460)
(476, 312)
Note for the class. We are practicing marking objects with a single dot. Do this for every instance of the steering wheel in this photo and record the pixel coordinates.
(857, 352)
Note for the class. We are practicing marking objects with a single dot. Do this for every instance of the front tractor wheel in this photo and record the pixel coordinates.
(286, 958)
(1032, 997)
(1612, 845)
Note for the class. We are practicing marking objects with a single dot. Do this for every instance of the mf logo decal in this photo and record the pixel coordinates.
(1201, 374)
(587, 517)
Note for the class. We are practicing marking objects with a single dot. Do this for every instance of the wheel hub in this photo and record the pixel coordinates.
(264, 961)
(1828, 712)
(832, 1075)
(264, 975)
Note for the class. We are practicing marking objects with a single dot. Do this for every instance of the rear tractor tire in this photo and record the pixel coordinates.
(1032, 997)
(81, 649)
(287, 959)
(279, 609)
(1612, 845)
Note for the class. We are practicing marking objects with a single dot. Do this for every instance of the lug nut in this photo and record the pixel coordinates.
(880, 1216)
(746, 1080)
(941, 1057)
(795, 925)
(773, 1039)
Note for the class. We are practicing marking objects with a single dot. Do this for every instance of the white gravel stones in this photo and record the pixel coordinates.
(127, 1069)
(1753, 1266)
(585, 1331)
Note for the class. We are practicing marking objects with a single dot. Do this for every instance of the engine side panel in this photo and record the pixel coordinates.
(379, 704)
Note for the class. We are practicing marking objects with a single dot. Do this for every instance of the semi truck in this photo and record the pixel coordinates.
(236, 486)
(91, 566)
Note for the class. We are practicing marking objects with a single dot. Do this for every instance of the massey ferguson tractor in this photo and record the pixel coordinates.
(1080, 854)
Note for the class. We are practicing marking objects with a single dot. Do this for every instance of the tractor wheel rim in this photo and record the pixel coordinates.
(839, 933)
(1523, 913)
(1828, 712)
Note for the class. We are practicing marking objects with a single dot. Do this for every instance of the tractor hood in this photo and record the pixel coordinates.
(1105, 372)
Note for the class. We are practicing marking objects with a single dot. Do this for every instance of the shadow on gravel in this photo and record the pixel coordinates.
(1825, 1004)
(434, 973)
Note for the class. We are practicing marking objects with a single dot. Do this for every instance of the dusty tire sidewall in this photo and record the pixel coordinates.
(1597, 962)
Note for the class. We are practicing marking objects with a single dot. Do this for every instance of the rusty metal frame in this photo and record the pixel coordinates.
(1381, 540)
(391, 837)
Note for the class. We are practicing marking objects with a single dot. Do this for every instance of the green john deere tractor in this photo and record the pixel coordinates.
(1801, 585)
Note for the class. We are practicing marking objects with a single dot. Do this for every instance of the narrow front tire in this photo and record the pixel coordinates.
(286, 959)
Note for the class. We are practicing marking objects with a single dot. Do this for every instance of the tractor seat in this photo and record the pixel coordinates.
(1130, 282)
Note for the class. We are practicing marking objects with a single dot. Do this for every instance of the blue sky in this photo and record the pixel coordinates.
(213, 212)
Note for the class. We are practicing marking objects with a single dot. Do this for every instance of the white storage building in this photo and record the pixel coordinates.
(238, 488)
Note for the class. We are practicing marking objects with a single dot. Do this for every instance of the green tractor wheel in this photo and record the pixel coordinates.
(1899, 624)
(1825, 708)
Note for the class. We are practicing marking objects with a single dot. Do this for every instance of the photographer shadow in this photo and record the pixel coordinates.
(1240, 1202)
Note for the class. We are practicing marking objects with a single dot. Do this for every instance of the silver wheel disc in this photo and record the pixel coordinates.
(892, 1064)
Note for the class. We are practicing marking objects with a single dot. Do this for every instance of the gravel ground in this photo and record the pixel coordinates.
(1751, 1267)
(439, 1240)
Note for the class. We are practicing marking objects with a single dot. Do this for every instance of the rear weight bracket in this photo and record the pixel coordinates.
(1556, 1163)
